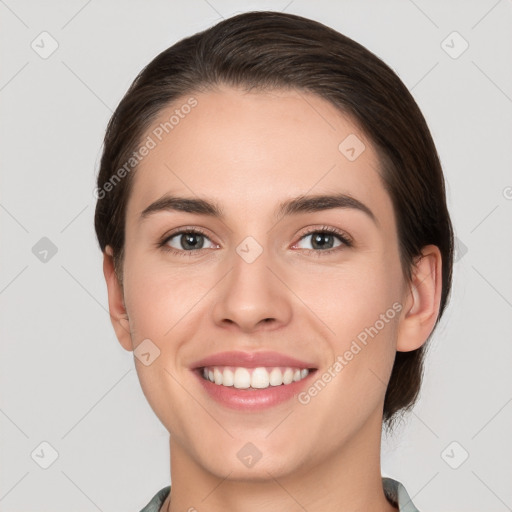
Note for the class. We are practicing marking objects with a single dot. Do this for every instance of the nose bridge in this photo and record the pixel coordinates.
(251, 293)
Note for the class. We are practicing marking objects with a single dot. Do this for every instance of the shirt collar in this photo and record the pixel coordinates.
(396, 493)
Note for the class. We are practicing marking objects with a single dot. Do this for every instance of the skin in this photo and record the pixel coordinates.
(249, 152)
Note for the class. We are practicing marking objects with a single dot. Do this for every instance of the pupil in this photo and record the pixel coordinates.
(190, 242)
(320, 241)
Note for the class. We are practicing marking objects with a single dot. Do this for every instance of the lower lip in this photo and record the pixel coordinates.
(253, 399)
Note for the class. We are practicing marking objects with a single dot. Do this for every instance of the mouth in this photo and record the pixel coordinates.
(252, 381)
(253, 378)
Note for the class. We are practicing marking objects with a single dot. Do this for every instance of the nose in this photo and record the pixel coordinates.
(252, 297)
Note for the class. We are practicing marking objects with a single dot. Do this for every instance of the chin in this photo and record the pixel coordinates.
(262, 470)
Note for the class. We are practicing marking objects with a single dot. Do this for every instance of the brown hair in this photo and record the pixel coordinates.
(267, 50)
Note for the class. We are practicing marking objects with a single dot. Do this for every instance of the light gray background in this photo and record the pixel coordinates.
(64, 378)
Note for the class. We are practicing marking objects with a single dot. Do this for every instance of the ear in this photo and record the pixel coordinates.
(422, 301)
(118, 315)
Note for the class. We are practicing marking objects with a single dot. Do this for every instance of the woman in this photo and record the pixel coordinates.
(277, 252)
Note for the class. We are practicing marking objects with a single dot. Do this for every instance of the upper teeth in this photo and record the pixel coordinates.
(259, 378)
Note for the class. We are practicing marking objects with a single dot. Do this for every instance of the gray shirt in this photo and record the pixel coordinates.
(394, 490)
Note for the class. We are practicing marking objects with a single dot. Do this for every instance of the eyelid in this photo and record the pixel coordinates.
(344, 236)
(162, 244)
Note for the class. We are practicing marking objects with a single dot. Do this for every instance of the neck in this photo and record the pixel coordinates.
(349, 479)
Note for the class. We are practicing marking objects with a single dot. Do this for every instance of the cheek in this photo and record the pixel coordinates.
(160, 304)
(362, 311)
(158, 297)
(352, 299)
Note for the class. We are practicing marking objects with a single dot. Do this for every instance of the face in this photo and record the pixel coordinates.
(313, 292)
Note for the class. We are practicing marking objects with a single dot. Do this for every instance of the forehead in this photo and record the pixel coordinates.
(255, 149)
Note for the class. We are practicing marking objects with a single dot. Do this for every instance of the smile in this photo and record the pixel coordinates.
(253, 378)
(252, 381)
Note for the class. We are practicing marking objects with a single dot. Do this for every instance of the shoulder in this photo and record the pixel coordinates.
(157, 500)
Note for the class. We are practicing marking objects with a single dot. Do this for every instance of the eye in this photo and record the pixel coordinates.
(324, 239)
(186, 240)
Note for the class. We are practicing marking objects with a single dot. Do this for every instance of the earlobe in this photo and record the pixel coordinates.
(118, 314)
(423, 300)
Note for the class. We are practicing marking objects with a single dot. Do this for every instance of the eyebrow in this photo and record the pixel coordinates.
(297, 205)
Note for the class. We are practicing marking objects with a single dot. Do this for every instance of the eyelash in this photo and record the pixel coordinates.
(345, 239)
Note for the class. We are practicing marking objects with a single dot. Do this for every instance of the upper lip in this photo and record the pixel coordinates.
(251, 360)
